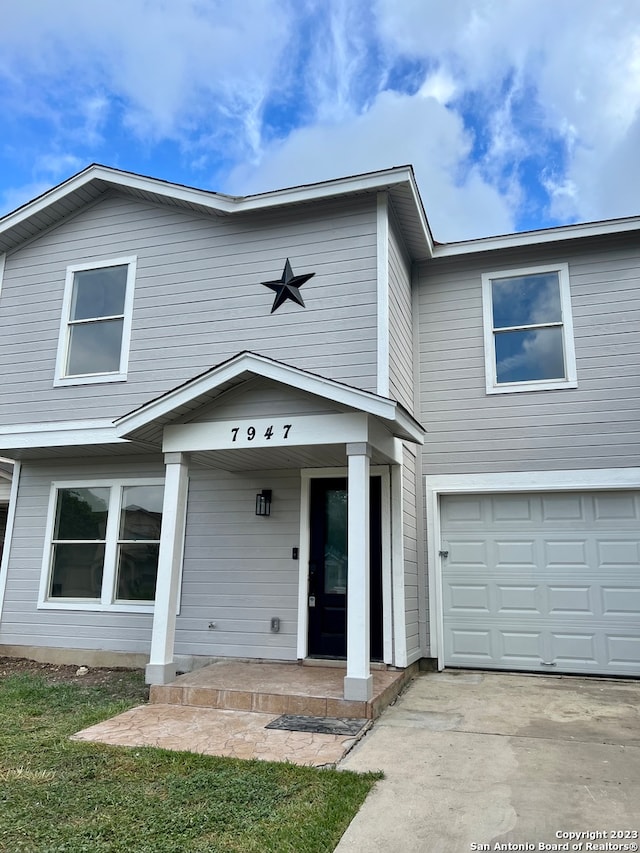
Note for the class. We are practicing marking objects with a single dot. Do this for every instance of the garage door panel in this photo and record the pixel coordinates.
(471, 552)
(560, 508)
(468, 597)
(618, 552)
(620, 601)
(512, 599)
(515, 553)
(570, 600)
(574, 649)
(619, 508)
(624, 652)
(571, 553)
(515, 649)
(543, 582)
(471, 644)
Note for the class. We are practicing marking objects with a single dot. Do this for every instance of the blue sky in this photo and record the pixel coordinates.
(516, 114)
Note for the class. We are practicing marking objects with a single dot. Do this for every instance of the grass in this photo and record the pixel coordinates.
(59, 796)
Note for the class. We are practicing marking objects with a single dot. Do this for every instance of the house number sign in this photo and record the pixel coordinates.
(267, 431)
(250, 432)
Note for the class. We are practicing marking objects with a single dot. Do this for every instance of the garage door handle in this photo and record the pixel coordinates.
(544, 663)
(443, 553)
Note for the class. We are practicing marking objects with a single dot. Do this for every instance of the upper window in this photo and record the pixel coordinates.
(103, 545)
(528, 330)
(96, 322)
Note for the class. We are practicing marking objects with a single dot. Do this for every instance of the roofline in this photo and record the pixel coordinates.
(278, 371)
(219, 202)
(539, 237)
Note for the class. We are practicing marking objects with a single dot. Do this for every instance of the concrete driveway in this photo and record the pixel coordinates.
(473, 760)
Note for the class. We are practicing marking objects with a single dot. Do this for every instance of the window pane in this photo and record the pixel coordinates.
(98, 293)
(77, 571)
(141, 513)
(335, 554)
(530, 355)
(137, 570)
(81, 513)
(95, 347)
(526, 300)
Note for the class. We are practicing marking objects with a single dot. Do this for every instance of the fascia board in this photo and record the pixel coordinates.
(370, 182)
(214, 201)
(535, 238)
(412, 428)
(62, 434)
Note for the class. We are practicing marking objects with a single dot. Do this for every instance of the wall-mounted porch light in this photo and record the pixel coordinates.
(263, 502)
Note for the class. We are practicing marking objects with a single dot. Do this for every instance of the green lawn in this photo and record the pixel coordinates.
(58, 796)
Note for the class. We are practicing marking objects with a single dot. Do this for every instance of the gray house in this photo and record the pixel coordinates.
(213, 400)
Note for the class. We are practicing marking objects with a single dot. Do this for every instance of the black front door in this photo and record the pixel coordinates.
(328, 574)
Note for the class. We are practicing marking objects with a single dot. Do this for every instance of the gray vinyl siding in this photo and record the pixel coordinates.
(596, 425)
(22, 623)
(238, 568)
(198, 299)
(400, 321)
(411, 565)
(263, 397)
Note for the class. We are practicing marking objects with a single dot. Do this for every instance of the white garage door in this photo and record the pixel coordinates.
(545, 582)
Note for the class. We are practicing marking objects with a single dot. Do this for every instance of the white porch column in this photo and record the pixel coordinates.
(358, 682)
(161, 668)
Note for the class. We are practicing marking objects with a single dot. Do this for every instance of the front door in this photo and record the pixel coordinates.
(328, 574)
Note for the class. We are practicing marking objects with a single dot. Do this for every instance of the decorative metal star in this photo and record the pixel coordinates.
(287, 287)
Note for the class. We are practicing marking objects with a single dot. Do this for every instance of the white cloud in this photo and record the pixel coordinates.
(163, 61)
(202, 74)
(396, 130)
(580, 59)
(439, 85)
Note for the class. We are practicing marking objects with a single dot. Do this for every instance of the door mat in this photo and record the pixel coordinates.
(318, 725)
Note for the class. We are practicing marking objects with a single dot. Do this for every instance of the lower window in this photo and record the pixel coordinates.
(104, 543)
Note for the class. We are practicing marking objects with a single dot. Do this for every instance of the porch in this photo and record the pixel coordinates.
(270, 711)
(279, 688)
(249, 415)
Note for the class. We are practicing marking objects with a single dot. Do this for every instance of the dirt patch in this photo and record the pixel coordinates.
(119, 683)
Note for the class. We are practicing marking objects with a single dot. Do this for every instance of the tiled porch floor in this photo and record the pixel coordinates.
(222, 709)
(277, 688)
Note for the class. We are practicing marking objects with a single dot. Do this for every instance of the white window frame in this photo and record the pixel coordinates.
(120, 375)
(570, 380)
(107, 599)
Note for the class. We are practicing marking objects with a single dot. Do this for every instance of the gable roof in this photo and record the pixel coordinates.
(96, 180)
(147, 421)
(88, 185)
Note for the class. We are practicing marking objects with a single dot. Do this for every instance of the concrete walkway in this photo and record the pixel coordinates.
(476, 759)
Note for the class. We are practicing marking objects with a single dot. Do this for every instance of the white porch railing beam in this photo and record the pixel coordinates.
(161, 668)
(358, 682)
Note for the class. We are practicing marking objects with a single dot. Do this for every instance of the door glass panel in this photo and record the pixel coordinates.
(335, 549)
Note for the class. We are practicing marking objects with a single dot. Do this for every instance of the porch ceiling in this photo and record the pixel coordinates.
(276, 458)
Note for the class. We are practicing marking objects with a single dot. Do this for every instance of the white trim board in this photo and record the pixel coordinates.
(3, 258)
(64, 338)
(106, 601)
(382, 287)
(593, 479)
(570, 379)
(4, 565)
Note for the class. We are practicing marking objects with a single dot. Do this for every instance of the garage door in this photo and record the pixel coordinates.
(545, 582)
